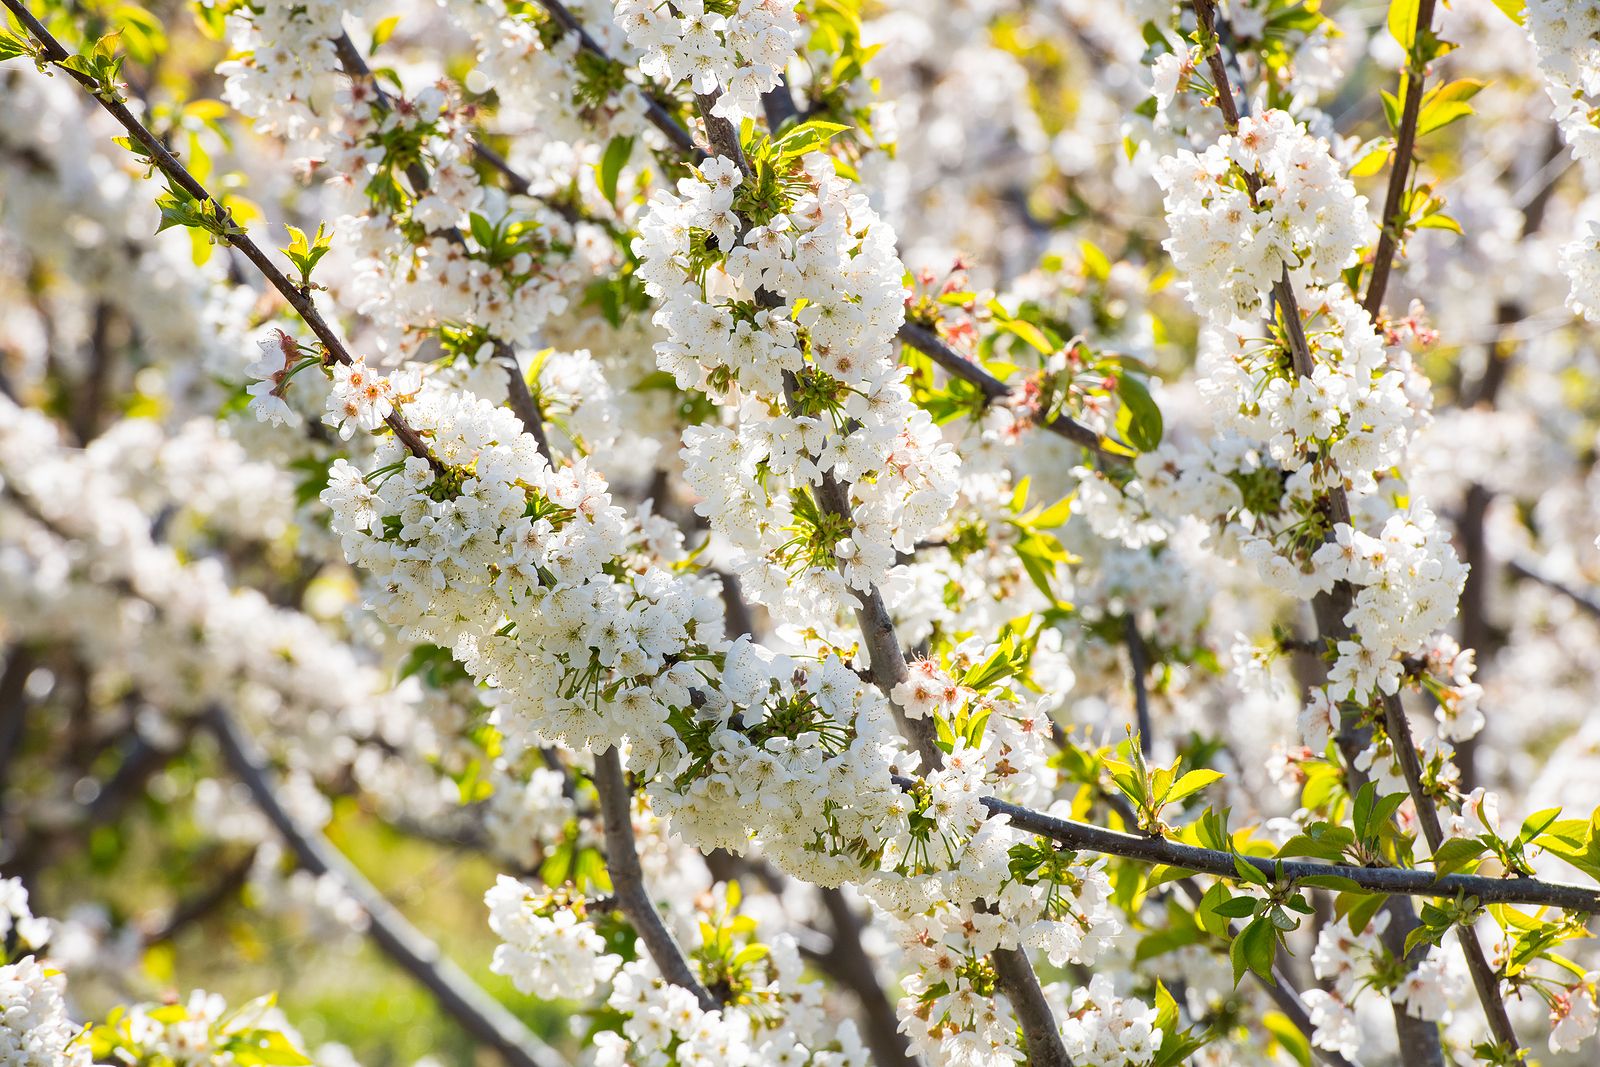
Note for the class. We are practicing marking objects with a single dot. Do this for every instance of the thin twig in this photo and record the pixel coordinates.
(1394, 881)
(930, 344)
(655, 111)
(1013, 970)
(1400, 174)
(1584, 601)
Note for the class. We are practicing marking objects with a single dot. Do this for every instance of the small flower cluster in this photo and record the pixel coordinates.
(1575, 1013)
(20, 929)
(546, 949)
(663, 1023)
(283, 63)
(448, 250)
(1347, 959)
(460, 252)
(1102, 1029)
(201, 1032)
(34, 1028)
(738, 50)
(1234, 244)
(792, 322)
(1566, 40)
(1354, 408)
(1580, 262)
(545, 91)
(1406, 580)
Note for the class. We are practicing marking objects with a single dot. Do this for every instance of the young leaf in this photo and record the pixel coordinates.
(1403, 22)
(1144, 423)
(618, 151)
(1191, 784)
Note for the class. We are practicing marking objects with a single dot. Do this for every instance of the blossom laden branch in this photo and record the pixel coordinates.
(627, 879)
(52, 51)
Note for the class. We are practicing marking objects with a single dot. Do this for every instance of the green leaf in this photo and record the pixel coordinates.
(1403, 22)
(1249, 871)
(1303, 845)
(1238, 907)
(1095, 262)
(1190, 784)
(12, 46)
(806, 137)
(1515, 10)
(382, 32)
(1456, 854)
(618, 151)
(1288, 1036)
(1028, 332)
(1372, 161)
(1447, 104)
(1361, 816)
(482, 232)
(1391, 108)
(1253, 950)
(1144, 425)
(1538, 823)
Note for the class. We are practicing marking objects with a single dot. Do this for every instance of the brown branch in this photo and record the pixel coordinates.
(1400, 174)
(479, 1014)
(627, 879)
(930, 344)
(13, 708)
(655, 111)
(206, 902)
(52, 51)
(1139, 668)
(1585, 602)
(847, 961)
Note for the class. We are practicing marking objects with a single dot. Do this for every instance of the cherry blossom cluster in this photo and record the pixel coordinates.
(1566, 39)
(429, 246)
(664, 1024)
(1105, 1030)
(1266, 199)
(773, 1015)
(736, 51)
(781, 296)
(34, 1028)
(546, 949)
(285, 64)
(545, 88)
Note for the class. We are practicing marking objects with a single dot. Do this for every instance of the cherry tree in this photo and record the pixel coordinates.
(945, 533)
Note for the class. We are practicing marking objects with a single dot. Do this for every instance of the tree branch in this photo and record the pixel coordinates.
(929, 343)
(54, 53)
(1403, 881)
(847, 961)
(658, 115)
(1400, 173)
(486, 1019)
(1417, 1041)
(1139, 668)
(627, 879)
(1584, 601)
